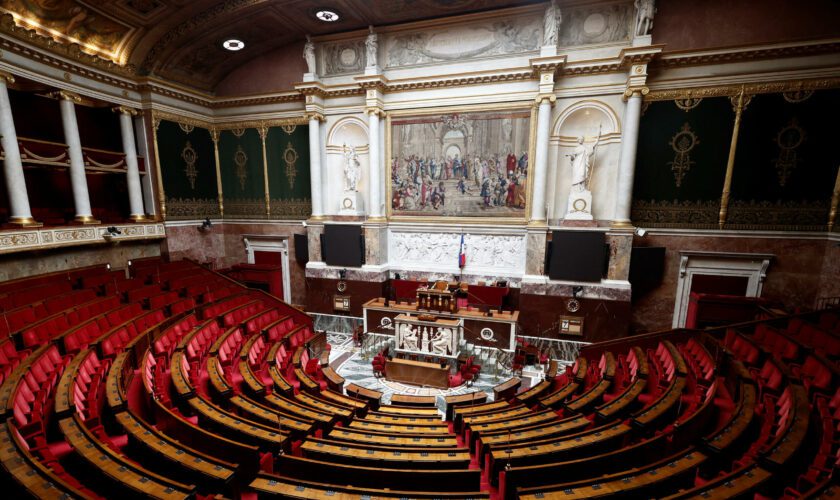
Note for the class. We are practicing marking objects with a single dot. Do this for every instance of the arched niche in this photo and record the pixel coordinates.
(350, 131)
(583, 119)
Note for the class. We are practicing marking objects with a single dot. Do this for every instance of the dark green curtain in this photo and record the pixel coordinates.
(241, 162)
(681, 163)
(188, 170)
(786, 161)
(287, 150)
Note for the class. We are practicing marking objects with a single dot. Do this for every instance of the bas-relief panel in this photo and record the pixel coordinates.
(498, 255)
(460, 164)
(13, 266)
(339, 58)
(599, 24)
(515, 36)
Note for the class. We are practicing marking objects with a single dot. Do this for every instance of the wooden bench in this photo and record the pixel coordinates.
(371, 397)
(399, 429)
(121, 475)
(374, 438)
(626, 401)
(736, 484)
(465, 411)
(386, 457)
(412, 411)
(409, 400)
(507, 389)
(663, 406)
(527, 397)
(477, 429)
(540, 432)
(268, 486)
(557, 398)
(469, 399)
(240, 429)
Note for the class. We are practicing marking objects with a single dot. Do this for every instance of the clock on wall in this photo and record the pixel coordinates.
(341, 286)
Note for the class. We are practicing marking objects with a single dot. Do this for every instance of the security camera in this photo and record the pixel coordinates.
(206, 225)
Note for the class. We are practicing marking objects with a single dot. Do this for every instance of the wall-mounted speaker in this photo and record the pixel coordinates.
(577, 255)
(301, 249)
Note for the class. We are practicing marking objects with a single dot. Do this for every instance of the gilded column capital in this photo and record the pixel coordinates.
(373, 110)
(638, 91)
(124, 110)
(214, 135)
(7, 77)
(66, 95)
(542, 97)
(314, 115)
(263, 131)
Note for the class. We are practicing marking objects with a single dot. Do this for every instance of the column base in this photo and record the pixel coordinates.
(622, 224)
(137, 218)
(24, 222)
(86, 219)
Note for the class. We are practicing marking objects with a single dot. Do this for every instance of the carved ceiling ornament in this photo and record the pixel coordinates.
(290, 157)
(682, 143)
(797, 96)
(189, 156)
(187, 128)
(688, 103)
(289, 129)
(788, 139)
(240, 159)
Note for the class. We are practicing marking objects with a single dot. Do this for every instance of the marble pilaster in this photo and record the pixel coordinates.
(135, 188)
(78, 179)
(538, 208)
(315, 168)
(621, 244)
(627, 158)
(19, 212)
(535, 244)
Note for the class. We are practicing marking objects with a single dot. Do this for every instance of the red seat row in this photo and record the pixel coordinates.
(55, 325)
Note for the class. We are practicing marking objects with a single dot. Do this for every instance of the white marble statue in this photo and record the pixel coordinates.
(582, 163)
(645, 9)
(551, 24)
(309, 55)
(351, 169)
(441, 341)
(409, 337)
(371, 45)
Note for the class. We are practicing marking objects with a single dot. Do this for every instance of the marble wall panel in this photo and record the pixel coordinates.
(793, 278)
(20, 265)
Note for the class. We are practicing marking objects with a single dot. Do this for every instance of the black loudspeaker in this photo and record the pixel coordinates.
(647, 268)
(301, 249)
(344, 245)
(547, 262)
(323, 242)
(577, 255)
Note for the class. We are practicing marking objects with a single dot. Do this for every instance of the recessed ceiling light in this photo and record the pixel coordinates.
(327, 16)
(233, 44)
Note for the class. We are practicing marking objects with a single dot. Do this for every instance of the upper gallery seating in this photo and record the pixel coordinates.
(172, 381)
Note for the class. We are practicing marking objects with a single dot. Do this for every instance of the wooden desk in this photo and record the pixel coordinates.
(534, 418)
(558, 397)
(623, 402)
(417, 373)
(364, 437)
(408, 400)
(369, 395)
(733, 485)
(464, 411)
(398, 429)
(419, 420)
(741, 418)
(268, 486)
(409, 410)
(129, 477)
(334, 380)
(503, 438)
(267, 439)
(457, 458)
(507, 389)
(535, 392)
(471, 398)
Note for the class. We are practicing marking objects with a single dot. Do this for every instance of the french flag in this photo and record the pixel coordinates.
(462, 254)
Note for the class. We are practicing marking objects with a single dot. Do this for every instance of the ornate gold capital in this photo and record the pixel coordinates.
(263, 131)
(6, 77)
(637, 91)
(542, 97)
(214, 135)
(373, 110)
(66, 95)
(313, 115)
(125, 110)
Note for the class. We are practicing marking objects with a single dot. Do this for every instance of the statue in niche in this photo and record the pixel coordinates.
(645, 9)
(441, 341)
(582, 163)
(371, 48)
(309, 55)
(551, 24)
(351, 169)
(409, 337)
(580, 197)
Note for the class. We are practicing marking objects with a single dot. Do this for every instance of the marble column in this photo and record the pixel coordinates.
(627, 157)
(78, 179)
(19, 212)
(315, 164)
(540, 172)
(375, 187)
(135, 190)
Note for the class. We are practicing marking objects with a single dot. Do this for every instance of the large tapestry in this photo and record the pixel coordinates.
(472, 164)
(188, 168)
(287, 149)
(243, 174)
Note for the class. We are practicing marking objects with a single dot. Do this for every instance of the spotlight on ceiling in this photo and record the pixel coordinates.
(233, 44)
(327, 16)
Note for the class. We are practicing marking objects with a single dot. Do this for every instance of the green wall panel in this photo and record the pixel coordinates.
(241, 164)
(681, 163)
(786, 161)
(287, 149)
(188, 170)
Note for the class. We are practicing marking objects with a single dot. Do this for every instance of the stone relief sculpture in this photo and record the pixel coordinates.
(352, 169)
(596, 24)
(309, 55)
(371, 48)
(409, 337)
(485, 250)
(441, 341)
(551, 24)
(477, 40)
(645, 9)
